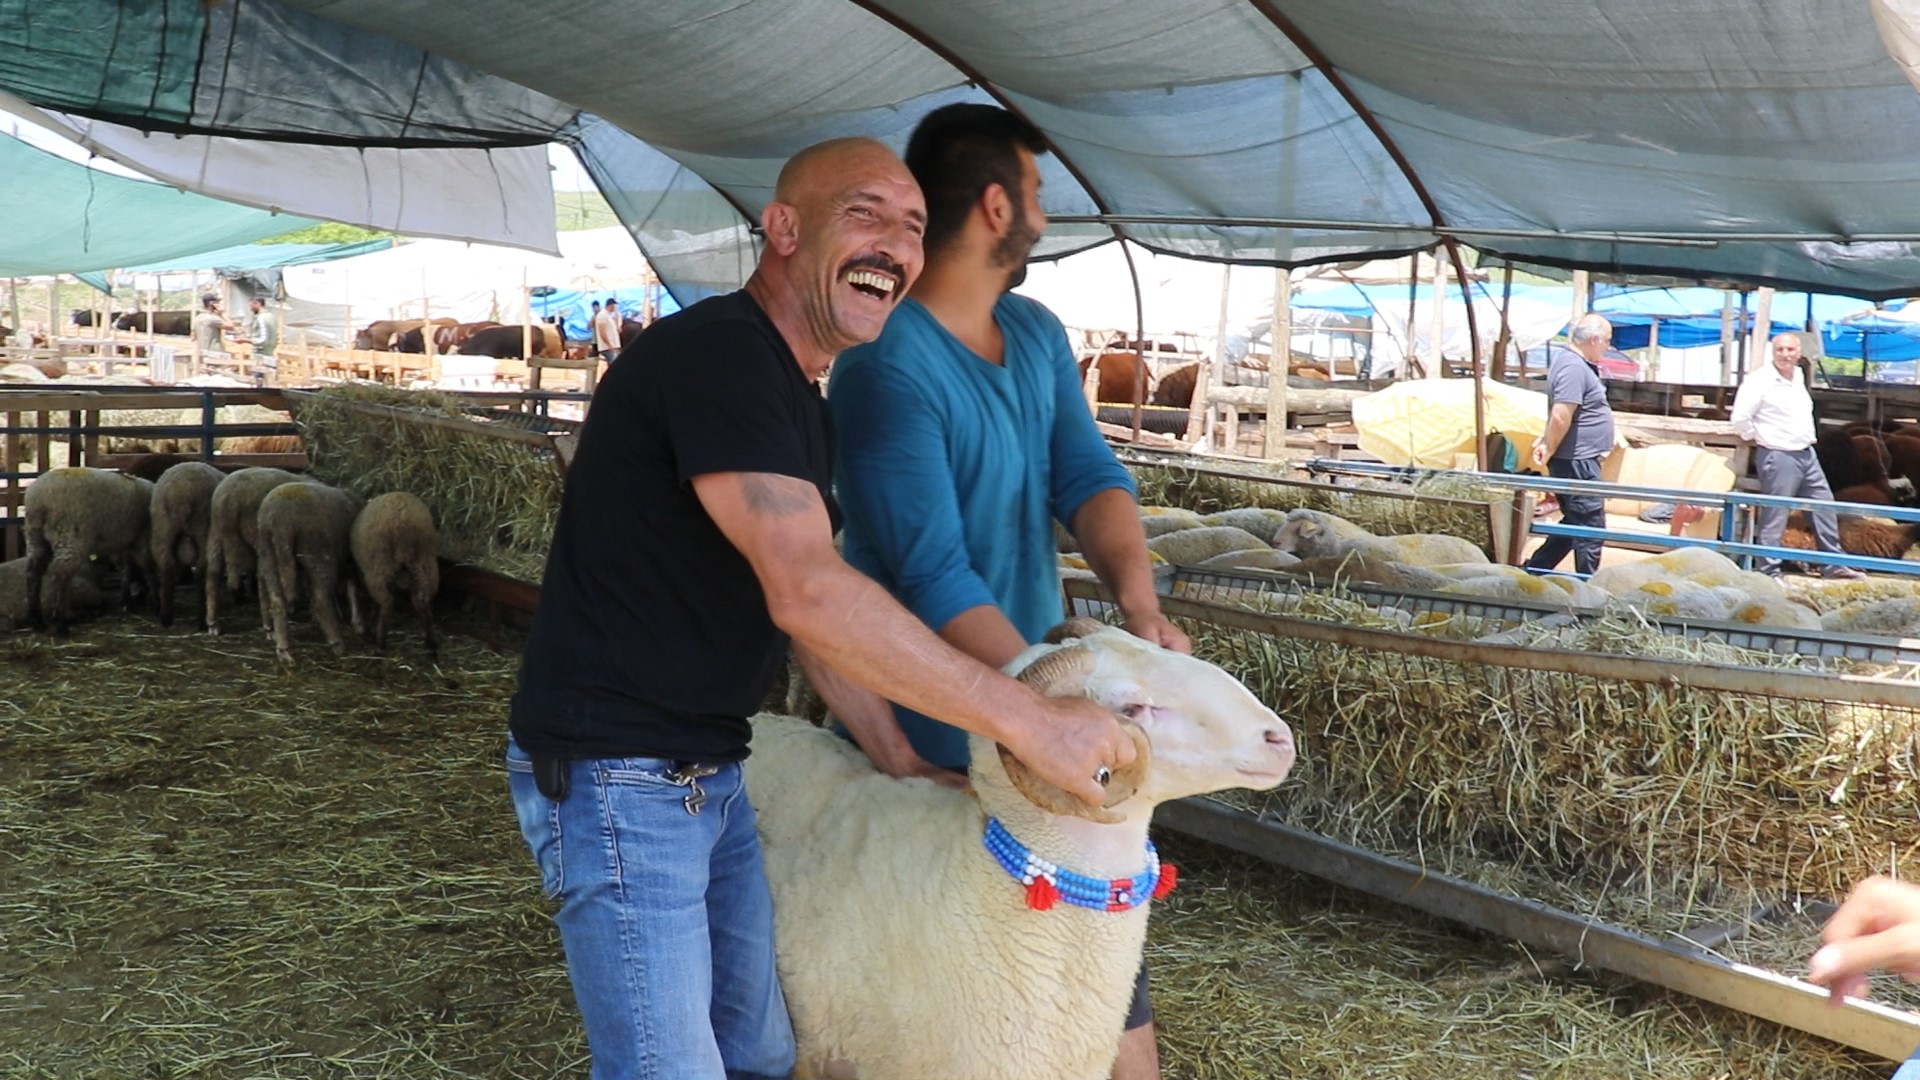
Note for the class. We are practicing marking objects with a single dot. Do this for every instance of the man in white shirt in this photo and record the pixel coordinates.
(1774, 412)
(606, 330)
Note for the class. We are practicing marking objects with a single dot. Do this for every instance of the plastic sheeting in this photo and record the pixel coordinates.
(488, 195)
(60, 217)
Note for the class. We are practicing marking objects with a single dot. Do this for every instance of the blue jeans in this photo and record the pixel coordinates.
(666, 919)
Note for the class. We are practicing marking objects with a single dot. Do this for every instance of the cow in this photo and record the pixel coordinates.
(86, 318)
(1176, 387)
(381, 334)
(448, 339)
(504, 342)
(1122, 380)
(176, 323)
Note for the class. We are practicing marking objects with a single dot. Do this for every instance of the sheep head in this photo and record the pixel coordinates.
(1297, 535)
(1195, 728)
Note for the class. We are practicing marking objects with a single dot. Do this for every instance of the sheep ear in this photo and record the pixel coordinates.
(1309, 529)
(1126, 782)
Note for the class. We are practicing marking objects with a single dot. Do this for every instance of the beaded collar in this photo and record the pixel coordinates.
(1047, 883)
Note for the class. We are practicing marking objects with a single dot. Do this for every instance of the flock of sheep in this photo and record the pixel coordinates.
(267, 526)
(1685, 583)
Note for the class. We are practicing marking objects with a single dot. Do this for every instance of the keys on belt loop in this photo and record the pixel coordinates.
(688, 774)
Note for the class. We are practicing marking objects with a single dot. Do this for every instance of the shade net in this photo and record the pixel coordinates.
(1765, 143)
(60, 216)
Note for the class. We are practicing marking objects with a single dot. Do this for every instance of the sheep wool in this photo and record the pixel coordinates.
(1258, 559)
(83, 593)
(233, 532)
(76, 513)
(1311, 538)
(1261, 521)
(303, 531)
(1191, 547)
(393, 542)
(182, 512)
(875, 877)
(1896, 617)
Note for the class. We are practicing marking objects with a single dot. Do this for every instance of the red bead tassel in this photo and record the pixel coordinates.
(1041, 895)
(1169, 877)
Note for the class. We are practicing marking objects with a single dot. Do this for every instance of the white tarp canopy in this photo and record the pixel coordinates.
(468, 282)
(496, 196)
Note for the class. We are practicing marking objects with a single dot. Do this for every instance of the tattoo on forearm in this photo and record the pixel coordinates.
(778, 496)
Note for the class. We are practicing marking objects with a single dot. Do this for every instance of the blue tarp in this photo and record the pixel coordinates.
(575, 306)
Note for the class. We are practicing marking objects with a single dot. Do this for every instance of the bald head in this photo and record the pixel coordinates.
(843, 245)
(815, 171)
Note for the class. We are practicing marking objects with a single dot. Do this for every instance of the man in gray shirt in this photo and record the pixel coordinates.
(1579, 434)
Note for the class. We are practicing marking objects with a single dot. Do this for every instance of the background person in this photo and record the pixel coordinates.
(1579, 436)
(1773, 411)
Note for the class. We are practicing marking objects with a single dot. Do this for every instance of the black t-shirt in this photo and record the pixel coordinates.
(652, 638)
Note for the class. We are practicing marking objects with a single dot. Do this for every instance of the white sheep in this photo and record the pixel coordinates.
(394, 541)
(233, 537)
(878, 881)
(1257, 559)
(182, 510)
(72, 515)
(1263, 522)
(1191, 547)
(1540, 589)
(83, 593)
(1897, 616)
(1161, 524)
(305, 529)
(1312, 537)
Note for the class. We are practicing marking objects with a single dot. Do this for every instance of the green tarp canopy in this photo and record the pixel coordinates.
(246, 257)
(61, 217)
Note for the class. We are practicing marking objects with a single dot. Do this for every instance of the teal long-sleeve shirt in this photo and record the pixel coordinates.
(950, 472)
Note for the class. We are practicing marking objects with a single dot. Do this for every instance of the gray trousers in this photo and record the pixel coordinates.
(1794, 474)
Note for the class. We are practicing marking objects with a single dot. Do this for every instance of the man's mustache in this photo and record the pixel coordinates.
(875, 262)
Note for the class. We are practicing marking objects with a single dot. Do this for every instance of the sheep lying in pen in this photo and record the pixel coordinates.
(304, 530)
(83, 593)
(1312, 537)
(1191, 547)
(875, 877)
(72, 515)
(393, 542)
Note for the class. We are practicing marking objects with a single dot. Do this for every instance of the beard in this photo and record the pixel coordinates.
(1011, 251)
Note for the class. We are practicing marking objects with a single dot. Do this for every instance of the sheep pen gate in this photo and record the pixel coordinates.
(1679, 811)
(43, 428)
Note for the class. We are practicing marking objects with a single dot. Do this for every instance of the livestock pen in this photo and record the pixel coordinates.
(226, 868)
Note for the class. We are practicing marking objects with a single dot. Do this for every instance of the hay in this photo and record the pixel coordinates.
(1693, 800)
(495, 499)
(1443, 505)
(1261, 973)
(220, 868)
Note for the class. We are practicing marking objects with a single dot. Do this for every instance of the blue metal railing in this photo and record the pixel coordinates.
(1730, 504)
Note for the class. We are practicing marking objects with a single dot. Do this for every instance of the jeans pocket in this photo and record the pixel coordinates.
(539, 819)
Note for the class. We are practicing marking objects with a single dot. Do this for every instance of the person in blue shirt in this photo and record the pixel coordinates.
(962, 436)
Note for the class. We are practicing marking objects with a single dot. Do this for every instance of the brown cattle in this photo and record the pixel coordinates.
(504, 342)
(381, 334)
(1122, 380)
(447, 339)
(1176, 387)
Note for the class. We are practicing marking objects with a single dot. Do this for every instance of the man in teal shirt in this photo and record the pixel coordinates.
(962, 435)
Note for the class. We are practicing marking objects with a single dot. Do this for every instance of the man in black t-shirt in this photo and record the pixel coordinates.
(695, 534)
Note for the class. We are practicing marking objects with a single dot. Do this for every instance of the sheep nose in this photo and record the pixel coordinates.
(1279, 736)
